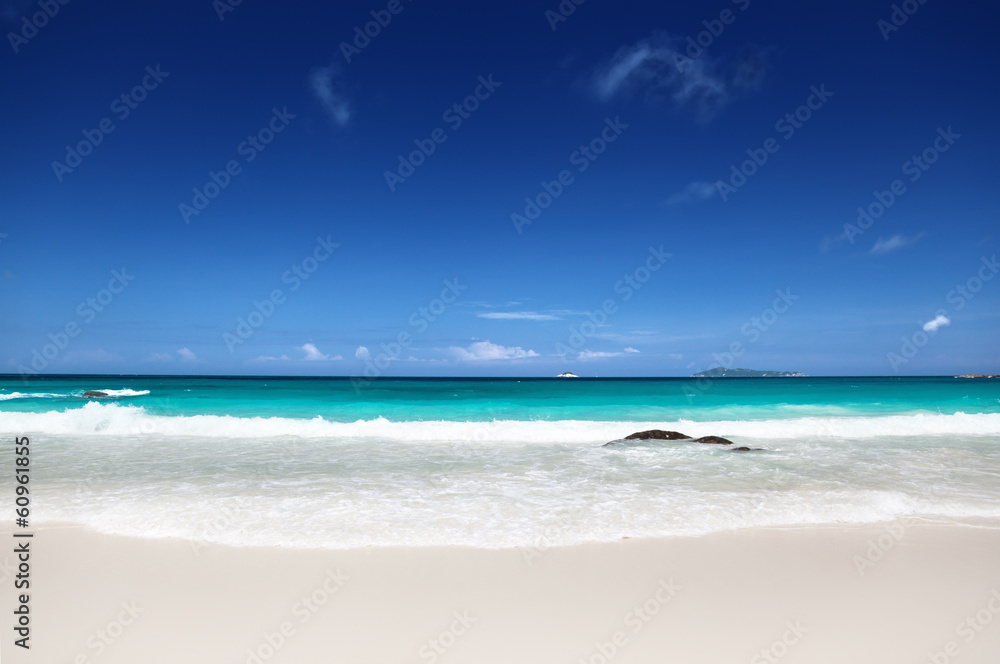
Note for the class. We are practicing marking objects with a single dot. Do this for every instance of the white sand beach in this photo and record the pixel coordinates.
(904, 592)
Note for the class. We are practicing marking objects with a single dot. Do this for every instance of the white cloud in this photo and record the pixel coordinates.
(693, 193)
(330, 93)
(656, 66)
(313, 354)
(517, 315)
(362, 353)
(271, 358)
(596, 355)
(940, 321)
(485, 350)
(893, 243)
(160, 357)
(629, 349)
(187, 355)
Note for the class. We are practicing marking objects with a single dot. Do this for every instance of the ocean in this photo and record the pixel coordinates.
(330, 463)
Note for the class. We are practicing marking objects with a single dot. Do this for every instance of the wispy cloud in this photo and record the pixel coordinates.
(597, 355)
(831, 241)
(187, 355)
(486, 351)
(271, 358)
(313, 354)
(939, 321)
(362, 353)
(99, 355)
(330, 93)
(656, 67)
(517, 315)
(629, 349)
(693, 193)
(160, 357)
(895, 242)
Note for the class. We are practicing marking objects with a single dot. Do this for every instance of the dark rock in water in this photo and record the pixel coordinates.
(657, 434)
(713, 440)
(652, 434)
(94, 393)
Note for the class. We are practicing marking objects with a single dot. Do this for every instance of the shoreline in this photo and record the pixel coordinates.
(797, 592)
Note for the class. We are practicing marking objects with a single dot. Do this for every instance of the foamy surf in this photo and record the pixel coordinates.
(113, 419)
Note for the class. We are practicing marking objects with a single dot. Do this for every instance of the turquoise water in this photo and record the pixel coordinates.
(343, 400)
(503, 462)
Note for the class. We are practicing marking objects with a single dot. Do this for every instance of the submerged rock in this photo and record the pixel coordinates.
(95, 393)
(657, 434)
(714, 440)
(652, 434)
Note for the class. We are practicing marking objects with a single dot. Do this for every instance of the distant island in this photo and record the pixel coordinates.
(719, 372)
(567, 375)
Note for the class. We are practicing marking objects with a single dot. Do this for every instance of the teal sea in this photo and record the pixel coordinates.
(338, 463)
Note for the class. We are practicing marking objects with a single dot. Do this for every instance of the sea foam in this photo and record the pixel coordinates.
(114, 419)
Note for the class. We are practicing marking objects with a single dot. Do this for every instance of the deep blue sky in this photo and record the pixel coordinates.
(521, 294)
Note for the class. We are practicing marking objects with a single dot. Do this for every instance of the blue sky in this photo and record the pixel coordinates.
(499, 189)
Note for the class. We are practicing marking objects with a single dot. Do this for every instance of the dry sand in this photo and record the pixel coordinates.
(837, 595)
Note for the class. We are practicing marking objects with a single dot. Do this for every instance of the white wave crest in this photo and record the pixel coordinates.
(104, 419)
(124, 393)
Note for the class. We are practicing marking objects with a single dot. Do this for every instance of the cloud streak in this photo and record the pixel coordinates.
(330, 93)
(517, 315)
(895, 242)
(693, 193)
(655, 67)
(481, 351)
